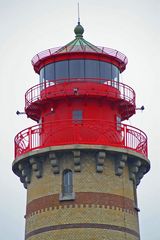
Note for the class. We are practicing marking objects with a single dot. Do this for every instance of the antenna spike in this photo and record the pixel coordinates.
(78, 14)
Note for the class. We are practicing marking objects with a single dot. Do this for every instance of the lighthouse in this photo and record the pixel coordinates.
(79, 163)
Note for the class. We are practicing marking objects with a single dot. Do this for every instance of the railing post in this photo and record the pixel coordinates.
(31, 95)
(30, 138)
(15, 148)
(125, 136)
(123, 92)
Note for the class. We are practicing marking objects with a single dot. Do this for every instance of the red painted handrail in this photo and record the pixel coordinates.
(35, 93)
(96, 132)
(53, 51)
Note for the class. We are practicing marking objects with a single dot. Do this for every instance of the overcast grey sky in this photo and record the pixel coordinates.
(28, 27)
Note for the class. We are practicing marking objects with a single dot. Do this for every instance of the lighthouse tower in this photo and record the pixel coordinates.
(80, 164)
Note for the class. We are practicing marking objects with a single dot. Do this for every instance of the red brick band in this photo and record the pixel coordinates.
(85, 198)
(82, 225)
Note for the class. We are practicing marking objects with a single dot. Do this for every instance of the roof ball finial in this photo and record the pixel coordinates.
(79, 30)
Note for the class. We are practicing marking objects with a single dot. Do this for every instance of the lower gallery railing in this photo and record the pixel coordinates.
(42, 91)
(65, 132)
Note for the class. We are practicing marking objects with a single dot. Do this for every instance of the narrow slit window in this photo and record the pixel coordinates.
(118, 119)
(67, 182)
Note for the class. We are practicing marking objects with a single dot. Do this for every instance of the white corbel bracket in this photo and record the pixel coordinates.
(36, 166)
(54, 162)
(77, 160)
(140, 173)
(100, 161)
(133, 169)
(25, 171)
(120, 163)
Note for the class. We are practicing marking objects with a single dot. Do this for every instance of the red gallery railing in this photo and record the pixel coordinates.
(53, 51)
(40, 91)
(66, 132)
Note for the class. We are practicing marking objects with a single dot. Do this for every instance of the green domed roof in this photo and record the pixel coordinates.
(79, 44)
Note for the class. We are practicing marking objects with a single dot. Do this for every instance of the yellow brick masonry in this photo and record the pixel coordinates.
(80, 234)
(88, 180)
(82, 214)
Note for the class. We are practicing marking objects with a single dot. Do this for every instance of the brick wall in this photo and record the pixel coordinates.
(103, 207)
